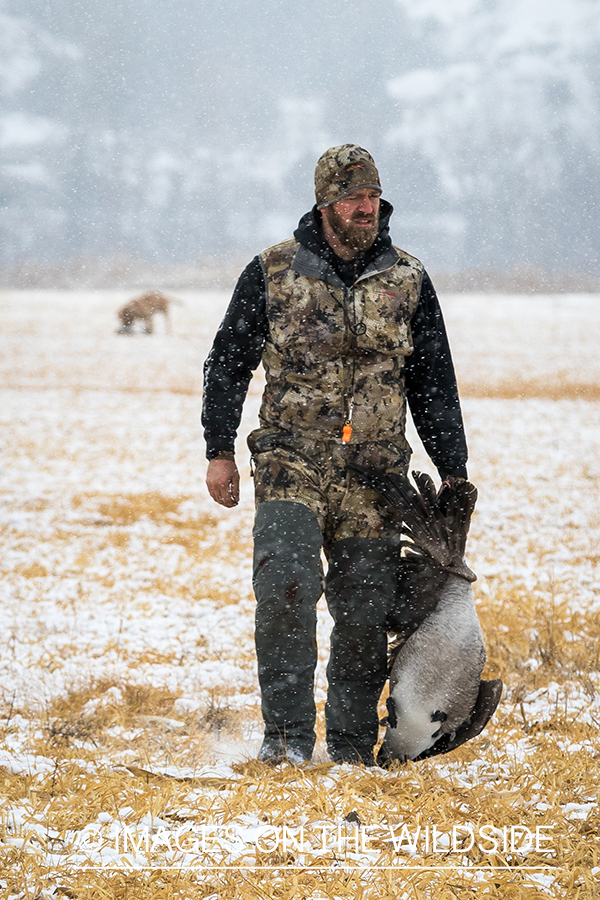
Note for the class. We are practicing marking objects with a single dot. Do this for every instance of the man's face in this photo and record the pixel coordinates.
(355, 219)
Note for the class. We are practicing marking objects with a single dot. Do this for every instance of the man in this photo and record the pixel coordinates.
(349, 330)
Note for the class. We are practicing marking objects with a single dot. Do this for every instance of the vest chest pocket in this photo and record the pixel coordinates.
(386, 317)
(306, 320)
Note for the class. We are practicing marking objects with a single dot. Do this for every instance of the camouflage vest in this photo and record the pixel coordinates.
(318, 372)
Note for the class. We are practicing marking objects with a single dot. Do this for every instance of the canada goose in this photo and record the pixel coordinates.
(437, 698)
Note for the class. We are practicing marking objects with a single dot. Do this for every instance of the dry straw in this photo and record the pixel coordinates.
(128, 666)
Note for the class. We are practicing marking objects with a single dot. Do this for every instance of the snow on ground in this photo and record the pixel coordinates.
(126, 606)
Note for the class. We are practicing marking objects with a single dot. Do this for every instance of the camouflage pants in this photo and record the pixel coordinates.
(306, 500)
(315, 473)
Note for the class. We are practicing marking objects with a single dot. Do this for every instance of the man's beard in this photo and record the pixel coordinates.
(354, 236)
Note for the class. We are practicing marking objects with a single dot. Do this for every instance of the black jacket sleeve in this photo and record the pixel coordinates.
(235, 354)
(431, 388)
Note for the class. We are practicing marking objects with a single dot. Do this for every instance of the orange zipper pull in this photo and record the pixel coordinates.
(346, 433)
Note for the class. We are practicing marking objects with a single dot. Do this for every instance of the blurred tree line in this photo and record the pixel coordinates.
(173, 130)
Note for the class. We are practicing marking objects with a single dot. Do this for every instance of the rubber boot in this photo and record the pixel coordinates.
(288, 581)
(360, 589)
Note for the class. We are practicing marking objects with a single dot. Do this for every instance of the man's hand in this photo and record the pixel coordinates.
(223, 482)
(450, 481)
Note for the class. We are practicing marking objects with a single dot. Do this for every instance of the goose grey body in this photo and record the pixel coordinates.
(436, 674)
(437, 698)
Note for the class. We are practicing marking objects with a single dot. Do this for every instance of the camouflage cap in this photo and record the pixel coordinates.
(343, 170)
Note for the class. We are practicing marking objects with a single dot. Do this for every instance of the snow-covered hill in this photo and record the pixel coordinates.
(506, 114)
(175, 131)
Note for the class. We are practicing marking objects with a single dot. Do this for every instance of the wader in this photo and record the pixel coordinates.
(306, 504)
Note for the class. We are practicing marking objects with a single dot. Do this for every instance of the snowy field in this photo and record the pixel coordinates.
(129, 716)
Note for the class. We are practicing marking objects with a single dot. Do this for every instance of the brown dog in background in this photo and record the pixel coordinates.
(143, 308)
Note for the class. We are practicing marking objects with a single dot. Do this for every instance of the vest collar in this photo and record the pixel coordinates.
(307, 262)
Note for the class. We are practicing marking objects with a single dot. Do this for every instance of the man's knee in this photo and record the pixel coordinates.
(362, 580)
(361, 585)
(287, 553)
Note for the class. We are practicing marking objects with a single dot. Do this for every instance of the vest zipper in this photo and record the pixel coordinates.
(355, 328)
